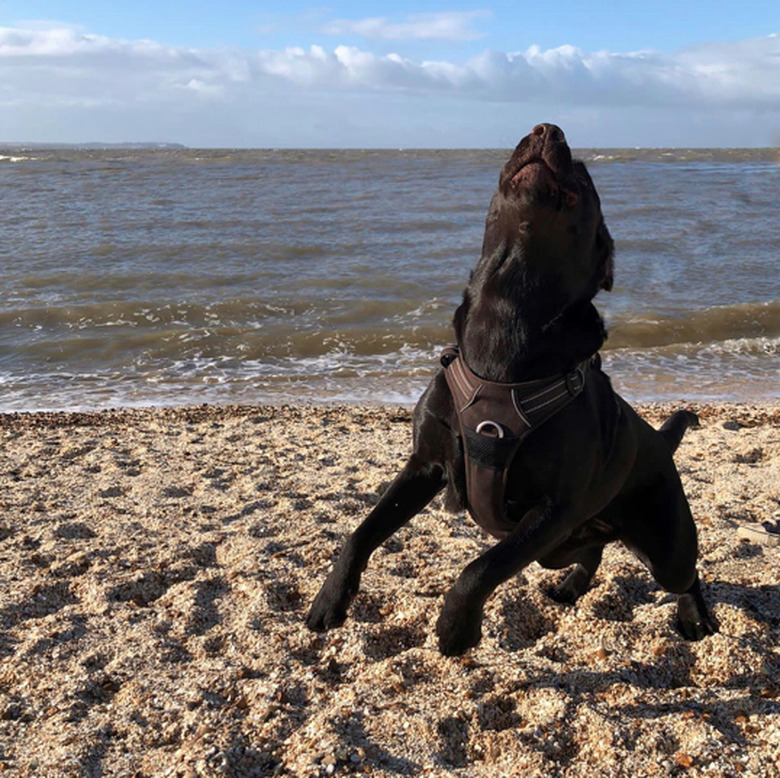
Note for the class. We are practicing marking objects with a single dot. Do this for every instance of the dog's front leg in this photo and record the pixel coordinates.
(460, 624)
(414, 487)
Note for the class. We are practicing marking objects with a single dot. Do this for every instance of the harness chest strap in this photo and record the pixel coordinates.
(494, 419)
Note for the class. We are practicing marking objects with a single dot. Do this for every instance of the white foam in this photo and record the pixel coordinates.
(744, 347)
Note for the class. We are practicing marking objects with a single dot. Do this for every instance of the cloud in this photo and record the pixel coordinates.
(743, 73)
(46, 68)
(69, 67)
(450, 26)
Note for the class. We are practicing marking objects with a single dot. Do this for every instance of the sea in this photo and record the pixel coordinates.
(148, 277)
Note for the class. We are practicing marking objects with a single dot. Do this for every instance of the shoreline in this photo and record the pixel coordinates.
(634, 387)
(762, 409)
(156, 565)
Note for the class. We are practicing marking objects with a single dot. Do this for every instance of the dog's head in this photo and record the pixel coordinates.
(546, 212)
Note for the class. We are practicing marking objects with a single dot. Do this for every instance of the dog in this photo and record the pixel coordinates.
(587, 473)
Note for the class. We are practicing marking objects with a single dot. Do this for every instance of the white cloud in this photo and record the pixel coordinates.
(203, 89)
(449, 25)
(719, 75)
(740, 73)
(44, 68)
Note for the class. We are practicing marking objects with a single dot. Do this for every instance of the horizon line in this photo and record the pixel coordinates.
(174, 146)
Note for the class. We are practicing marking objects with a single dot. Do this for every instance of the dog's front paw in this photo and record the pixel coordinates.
(329, 609)
(459, 628)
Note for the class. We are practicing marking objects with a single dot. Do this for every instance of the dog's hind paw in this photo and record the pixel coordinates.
(563, 593)
(572, 587)
(697, 629)
(694, 620)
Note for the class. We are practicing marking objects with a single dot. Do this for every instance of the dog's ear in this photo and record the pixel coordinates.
(459, 319)
(605, 248)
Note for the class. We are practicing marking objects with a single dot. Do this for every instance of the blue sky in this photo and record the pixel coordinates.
(375, 74)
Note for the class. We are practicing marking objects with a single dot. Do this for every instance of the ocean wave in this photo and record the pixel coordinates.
(745, 347)
(61, 316)
(718, 324)
(340, 377)
(335, 376)
(695, 374)
(249, 329)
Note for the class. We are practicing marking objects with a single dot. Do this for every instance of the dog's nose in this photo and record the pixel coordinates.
(550, 132)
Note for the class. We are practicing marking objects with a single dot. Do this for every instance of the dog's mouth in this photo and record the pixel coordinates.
(541, 168)
(541, 183)
(535, 176)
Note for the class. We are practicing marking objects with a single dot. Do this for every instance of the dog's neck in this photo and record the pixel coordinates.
(520, 331)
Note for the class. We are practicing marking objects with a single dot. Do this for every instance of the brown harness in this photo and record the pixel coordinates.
(494, 419)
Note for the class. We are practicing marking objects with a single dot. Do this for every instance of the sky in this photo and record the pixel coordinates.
(376, 74)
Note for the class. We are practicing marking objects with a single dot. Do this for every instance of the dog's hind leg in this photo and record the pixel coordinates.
(673, 429)
(664, 538)
(576, 583)
(694, 621)
(583, 549)
(414, 487)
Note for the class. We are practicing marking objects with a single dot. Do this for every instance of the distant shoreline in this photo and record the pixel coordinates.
(590, 154)
(96, 146)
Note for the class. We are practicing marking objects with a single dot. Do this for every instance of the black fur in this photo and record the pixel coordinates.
(595, 472)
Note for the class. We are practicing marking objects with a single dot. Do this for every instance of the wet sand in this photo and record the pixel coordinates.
(156, 567)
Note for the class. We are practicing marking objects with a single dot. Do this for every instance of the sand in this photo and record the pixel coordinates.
(156, 567)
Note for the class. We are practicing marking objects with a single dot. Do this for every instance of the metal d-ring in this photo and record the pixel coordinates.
(488, 423)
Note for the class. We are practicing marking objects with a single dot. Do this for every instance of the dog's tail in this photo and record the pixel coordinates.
(674, 427)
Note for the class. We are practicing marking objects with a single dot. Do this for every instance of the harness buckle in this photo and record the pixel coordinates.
(570, 386)
(486, 425)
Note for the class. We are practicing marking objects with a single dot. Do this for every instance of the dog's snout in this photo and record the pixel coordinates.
(539, 165)
(550, 132)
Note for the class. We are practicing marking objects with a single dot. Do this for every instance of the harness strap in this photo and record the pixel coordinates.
(494, 419)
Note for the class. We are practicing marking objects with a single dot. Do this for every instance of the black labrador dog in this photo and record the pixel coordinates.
(594, 471)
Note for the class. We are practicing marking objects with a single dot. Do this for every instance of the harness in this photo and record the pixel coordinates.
(494, 419)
